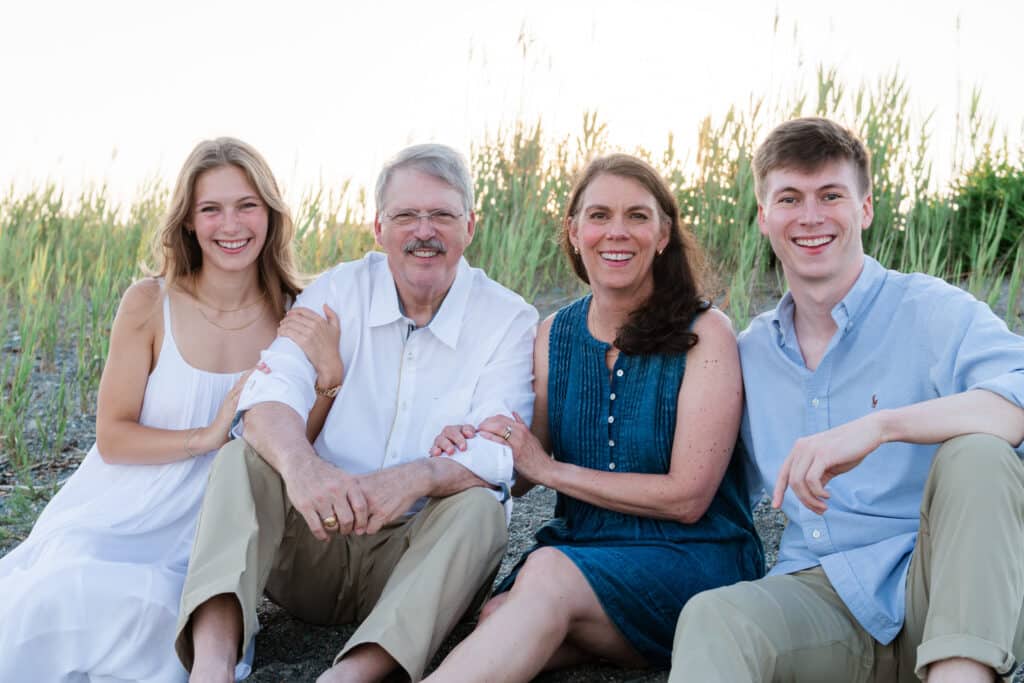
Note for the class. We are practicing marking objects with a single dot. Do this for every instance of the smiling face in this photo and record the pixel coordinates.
(814, 221)
(618, 230)
(423, 227)
(229, 219)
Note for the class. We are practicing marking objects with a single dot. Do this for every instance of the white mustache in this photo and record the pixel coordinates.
(433, 244)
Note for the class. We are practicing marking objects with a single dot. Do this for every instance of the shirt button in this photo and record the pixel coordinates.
(611, 466)
(619, 373)
(814, 402)
(816, 533)
(611, 418)
(611, 442)
(612, 397)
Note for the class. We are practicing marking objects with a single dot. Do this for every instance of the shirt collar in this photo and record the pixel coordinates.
(871, 277)
(447, 322)
(844, 313)
(384, 308)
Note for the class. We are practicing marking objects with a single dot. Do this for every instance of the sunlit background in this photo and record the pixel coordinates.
(117, 92)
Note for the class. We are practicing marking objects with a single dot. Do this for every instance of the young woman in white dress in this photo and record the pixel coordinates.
(92, 594)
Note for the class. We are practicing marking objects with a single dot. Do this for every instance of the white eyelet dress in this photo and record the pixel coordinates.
(92, 594)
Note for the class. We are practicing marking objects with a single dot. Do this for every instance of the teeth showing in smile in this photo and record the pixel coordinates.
(616, 255)
(424, 253)
(813, 241)
(236, 244)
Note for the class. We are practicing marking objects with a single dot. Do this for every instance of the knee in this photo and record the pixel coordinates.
(491, 606)
(547, 573)
(974, 462)
(475, 513)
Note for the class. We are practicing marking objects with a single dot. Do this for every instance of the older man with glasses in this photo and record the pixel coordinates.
(363, 526)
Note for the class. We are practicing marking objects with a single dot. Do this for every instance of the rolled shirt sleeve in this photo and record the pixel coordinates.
(505, 386)
(291, 378)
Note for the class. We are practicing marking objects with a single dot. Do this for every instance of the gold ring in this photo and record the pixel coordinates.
(508, 433)
(330, 523)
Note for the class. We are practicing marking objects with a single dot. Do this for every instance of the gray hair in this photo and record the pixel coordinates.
(440, 161)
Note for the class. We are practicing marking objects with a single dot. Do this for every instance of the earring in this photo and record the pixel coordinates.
(575, 250)
(660, 252)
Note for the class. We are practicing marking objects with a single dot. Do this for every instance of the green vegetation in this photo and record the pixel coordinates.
(65, 262)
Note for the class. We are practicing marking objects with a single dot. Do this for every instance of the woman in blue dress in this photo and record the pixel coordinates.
(651, 499)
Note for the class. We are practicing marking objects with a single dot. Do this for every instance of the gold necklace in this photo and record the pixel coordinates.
(258, 301)
(226, 328)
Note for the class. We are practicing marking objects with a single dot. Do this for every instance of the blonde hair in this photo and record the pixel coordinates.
(179, 252)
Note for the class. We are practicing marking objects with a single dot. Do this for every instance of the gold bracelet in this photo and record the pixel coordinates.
(188, 449)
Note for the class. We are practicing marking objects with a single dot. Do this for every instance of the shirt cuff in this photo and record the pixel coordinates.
(490, 461)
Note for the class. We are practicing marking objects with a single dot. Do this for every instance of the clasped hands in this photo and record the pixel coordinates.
(335, 502)
(528, 455)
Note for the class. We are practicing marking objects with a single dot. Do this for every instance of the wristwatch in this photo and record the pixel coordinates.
(329, 392)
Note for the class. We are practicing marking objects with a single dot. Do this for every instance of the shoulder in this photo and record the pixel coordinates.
(140, 302)
(758, 331)
(341, 277)
(714, 323)
(495, 293)
(933, 302)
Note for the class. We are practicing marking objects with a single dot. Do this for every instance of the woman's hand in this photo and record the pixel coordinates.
(451, 438)
(318, 338)
(215, 435)
(528, 455)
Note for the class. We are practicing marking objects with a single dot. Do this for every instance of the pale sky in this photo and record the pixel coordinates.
(119, 91)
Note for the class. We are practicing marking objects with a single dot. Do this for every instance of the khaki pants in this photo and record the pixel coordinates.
(965, 590)
(409, 584)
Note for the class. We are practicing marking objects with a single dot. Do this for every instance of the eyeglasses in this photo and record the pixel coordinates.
(440, 218)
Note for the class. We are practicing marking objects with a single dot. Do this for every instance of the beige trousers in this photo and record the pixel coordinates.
(965, 590)
(408, 584)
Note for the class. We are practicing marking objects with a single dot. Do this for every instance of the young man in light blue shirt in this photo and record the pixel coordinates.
(883, 413)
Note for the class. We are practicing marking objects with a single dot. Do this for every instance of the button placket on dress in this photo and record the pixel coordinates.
(612, 428)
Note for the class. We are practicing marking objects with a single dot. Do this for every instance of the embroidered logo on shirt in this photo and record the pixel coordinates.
(874, 401)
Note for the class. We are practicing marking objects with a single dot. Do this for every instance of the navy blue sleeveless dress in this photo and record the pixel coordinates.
(643, 570)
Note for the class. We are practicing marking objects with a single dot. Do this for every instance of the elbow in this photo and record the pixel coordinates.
(690, 511)
(105, 447)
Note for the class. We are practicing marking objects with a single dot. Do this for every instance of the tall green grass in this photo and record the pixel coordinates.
(64, 262)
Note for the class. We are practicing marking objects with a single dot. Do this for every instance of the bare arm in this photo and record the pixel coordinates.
(539, 426)
(120, 438)
(709, 408)
(816, 459)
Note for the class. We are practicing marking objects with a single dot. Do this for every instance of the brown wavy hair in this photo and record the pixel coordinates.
(178, 249)
(662, 323)
(806, 144)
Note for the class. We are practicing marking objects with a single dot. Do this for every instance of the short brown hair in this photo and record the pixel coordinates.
(806, 144)
(180, 254)
(662, 323)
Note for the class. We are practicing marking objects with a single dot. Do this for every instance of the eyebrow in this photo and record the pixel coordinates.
(635, 207)
(246, 198)
(826, 186)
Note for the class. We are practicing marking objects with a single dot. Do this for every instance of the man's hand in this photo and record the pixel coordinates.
(390, 492)
(320, 491)
(816, 459)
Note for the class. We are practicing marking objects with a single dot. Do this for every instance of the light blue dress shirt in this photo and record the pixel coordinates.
(901, 339)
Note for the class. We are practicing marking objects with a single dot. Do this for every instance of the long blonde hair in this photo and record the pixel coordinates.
(179, 252)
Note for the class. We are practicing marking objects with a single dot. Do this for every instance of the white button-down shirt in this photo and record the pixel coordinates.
(403, 384)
